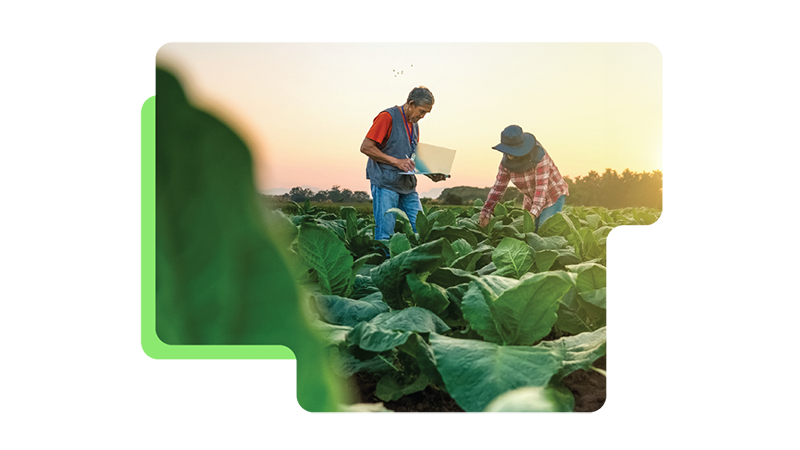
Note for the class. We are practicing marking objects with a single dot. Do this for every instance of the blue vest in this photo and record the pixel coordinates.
(390, 177)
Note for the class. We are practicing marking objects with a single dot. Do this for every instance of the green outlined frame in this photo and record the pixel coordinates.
(151, 344)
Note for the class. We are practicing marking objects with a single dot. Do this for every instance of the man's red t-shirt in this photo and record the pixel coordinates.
(382, 128)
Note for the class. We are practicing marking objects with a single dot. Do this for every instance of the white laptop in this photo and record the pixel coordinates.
(432, 159)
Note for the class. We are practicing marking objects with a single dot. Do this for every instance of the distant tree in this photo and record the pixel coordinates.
(360, 197)
(335, 194)
(614, 190)
(466, 193)
(453, 199)
(320, 196)
(298, 194)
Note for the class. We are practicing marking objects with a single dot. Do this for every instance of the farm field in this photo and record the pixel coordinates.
(448, 317)
(456, 317)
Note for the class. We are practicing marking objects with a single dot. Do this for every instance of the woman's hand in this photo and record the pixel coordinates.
(484, 221)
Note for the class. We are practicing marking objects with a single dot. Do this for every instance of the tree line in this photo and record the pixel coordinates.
(614, 190)
(335, 194)
(610, 189)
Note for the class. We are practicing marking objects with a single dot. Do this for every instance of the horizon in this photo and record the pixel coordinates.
(590, 104)
(315, 189)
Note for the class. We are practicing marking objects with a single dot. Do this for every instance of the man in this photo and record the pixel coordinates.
(390, 145)
(529, 167)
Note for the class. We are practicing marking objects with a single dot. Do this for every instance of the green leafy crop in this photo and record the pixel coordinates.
(221, 279)
(494, 316)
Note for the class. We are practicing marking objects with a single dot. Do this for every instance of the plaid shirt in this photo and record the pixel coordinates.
(542, 186)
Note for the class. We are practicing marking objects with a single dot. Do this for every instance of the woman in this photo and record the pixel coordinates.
(529, 167)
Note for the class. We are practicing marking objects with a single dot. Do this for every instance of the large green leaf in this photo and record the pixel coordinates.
(453, 234)
(545, 259)
(364, 407)
(557, 225)
(334, 334)
(335, 226)
(423, 226)
(538, 243)
(501, 231)
(363, 286)
(576, 352)
(220, 277)
(512, 257)
(427, 295)
(442, 218)
(374, 338)
(534, 399)
(601, 233)
(449, 276)
(346, 311)
(362, 245)
(390, 389)
(590, 249)
(476, 300)
(572, 317)
(594, 302)
(345, 364)
(477, 372)
(398, 243)
(350, 218)
(493, 286)
(388, 330)
(591, 276)
(476, 311)
(526, 312)
(390, 277)
(328, 256)
(467, 262)
(419, 351)
(644, 217)
(567, 256)
(596, 298)
(528, 223)
(593, 220)
(461, 247)
(401, 216)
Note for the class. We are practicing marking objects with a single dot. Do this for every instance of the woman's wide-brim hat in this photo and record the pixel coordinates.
(515, 142)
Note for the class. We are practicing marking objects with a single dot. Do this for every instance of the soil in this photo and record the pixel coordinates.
(588, 387)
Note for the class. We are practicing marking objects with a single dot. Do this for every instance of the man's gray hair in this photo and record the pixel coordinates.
(420, 96)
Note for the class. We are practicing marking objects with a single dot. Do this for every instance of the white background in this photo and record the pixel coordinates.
(702, 348)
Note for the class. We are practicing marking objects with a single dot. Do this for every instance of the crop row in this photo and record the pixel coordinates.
(495, 316)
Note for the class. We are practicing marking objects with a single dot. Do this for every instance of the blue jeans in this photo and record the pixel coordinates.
(382, 200)
(550, 211)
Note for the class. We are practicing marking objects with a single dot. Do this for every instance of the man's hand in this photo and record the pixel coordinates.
(371, 149)
(437, 176)
(405, 165)
(484, 221)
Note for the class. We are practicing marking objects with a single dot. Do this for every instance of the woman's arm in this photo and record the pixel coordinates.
(495, 194)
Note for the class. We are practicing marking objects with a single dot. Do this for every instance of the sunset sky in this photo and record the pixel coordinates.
(304, 109)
